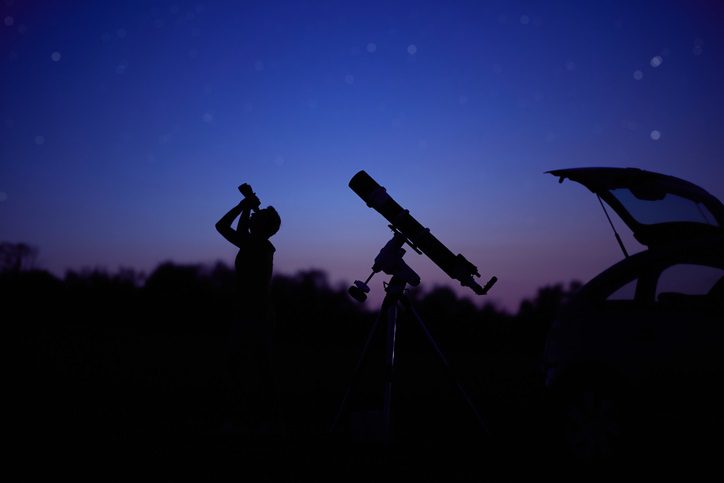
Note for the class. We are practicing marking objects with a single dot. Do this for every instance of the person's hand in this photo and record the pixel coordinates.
(250, 203)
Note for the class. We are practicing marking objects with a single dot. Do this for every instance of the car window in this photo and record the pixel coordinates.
(688, 279)
(626, 292)
(667, 209)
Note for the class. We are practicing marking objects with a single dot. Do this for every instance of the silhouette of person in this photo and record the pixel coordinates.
(249, 351)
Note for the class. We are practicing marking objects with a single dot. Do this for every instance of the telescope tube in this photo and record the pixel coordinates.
(376, 197)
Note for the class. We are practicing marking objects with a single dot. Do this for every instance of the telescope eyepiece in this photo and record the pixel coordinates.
(489, 285)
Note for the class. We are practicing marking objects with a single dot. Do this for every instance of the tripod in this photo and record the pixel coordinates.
(395, 296)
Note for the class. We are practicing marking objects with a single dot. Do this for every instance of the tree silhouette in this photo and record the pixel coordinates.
(15, 257)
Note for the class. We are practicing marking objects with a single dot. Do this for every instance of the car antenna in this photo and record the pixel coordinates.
(618, 238)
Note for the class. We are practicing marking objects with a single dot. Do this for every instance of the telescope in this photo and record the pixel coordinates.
(408, 230)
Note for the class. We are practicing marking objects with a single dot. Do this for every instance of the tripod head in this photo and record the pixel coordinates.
(389, 261)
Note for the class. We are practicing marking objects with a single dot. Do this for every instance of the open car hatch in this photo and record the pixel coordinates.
(659, 209)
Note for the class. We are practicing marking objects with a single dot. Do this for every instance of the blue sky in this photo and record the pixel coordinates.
(127, 126)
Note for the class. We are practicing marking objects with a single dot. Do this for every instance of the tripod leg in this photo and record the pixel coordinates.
(355, 374)
(391, 312)
(408, 305)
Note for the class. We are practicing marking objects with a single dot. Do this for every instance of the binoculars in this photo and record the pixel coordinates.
(248, 194)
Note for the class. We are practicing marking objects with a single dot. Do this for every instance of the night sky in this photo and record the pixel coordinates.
(127, 126)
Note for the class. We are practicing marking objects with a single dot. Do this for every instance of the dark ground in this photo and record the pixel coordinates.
(111, 368)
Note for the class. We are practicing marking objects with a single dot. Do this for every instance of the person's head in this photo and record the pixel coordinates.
(265, 223)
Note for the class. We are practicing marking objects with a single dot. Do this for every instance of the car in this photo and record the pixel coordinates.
(634, 362)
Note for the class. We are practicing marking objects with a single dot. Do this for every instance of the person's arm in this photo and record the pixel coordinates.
(242, 228)
(223, 226)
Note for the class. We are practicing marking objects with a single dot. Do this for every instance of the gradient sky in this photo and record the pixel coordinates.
(127, 126)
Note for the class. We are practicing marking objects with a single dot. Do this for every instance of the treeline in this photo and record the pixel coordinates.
(127, 353)
(190, 298)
